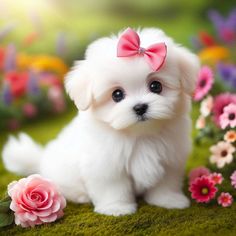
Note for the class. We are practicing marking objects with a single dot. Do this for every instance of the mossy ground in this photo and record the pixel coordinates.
(149, 220)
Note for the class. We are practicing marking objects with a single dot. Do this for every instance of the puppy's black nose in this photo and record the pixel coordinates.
(140, 109)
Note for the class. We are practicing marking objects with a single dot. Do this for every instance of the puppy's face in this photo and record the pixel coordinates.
(125, 92)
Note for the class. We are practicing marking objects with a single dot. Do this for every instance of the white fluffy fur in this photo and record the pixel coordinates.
(105, 155)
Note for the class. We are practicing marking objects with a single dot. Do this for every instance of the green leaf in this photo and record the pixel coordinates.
(6, 198)
(5, 206)
(6, 219)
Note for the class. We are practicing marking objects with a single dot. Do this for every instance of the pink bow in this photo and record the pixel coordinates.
(129, 45)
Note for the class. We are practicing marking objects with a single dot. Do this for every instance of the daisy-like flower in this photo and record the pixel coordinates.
(220, 102)
(206, 106)
(203, 189)
(225, 200)
(217, 178)
(198, 172)
(201, 122)
(222, 153)
(228, 118)
(230, 136)
(233, 179)
(204, 83)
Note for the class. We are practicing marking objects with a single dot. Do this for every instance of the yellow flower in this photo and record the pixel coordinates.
(50, 63)
(23, 60)
(214, 54)
(42, 63)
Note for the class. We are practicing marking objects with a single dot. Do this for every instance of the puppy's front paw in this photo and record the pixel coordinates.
(116, 209)
(170, 200)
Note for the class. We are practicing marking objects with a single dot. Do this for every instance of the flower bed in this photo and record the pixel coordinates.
(215, 91)
(31, 86)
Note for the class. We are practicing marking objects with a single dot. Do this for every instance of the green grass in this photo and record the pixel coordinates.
(149, 220)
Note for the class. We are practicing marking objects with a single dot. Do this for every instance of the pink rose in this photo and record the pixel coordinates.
(35, 201)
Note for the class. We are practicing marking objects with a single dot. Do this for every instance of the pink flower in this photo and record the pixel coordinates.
(204, 83)
(222, 153)
(30, 110)
(217, 178)
(220, 102)
(35, 201)
(203, 189)
(198, 172)
(228, 118)
(225, 199)
(233, 179)
(55, 95)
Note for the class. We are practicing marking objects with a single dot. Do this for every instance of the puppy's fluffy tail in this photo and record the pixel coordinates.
(22, 156)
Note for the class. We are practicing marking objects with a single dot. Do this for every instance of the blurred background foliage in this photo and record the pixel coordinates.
(49, 33)
(80, 21)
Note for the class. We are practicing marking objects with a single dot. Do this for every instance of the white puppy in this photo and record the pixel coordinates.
(132, 134)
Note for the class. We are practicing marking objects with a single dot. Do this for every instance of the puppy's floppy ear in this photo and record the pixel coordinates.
(78, 85)
(189, 66)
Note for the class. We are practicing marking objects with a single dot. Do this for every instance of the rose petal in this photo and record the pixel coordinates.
(10, 188)
(50, 218)
(30, 216)
(46, 205)
(63, 202)
(43, 213)
(56, 206)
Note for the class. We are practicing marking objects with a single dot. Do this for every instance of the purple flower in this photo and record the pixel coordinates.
(225, 26)
(61, 44)
(33, 86)
(6, 94)
(227, 73)
(196, 43)
(10, 58)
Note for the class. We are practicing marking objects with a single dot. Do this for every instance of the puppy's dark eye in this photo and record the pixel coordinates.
(118, 95)
(155, 87)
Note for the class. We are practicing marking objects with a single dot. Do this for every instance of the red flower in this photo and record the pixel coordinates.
(2, 56)
(18, 82)
(203, 189)
(206, 39)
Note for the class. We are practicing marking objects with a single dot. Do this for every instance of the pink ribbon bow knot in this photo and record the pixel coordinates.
(129, 45)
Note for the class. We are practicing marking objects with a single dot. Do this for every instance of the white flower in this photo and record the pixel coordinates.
(222, 153)
(201, 122)
(206, 106)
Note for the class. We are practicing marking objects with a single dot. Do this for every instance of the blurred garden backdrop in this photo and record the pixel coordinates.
(39, 40)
